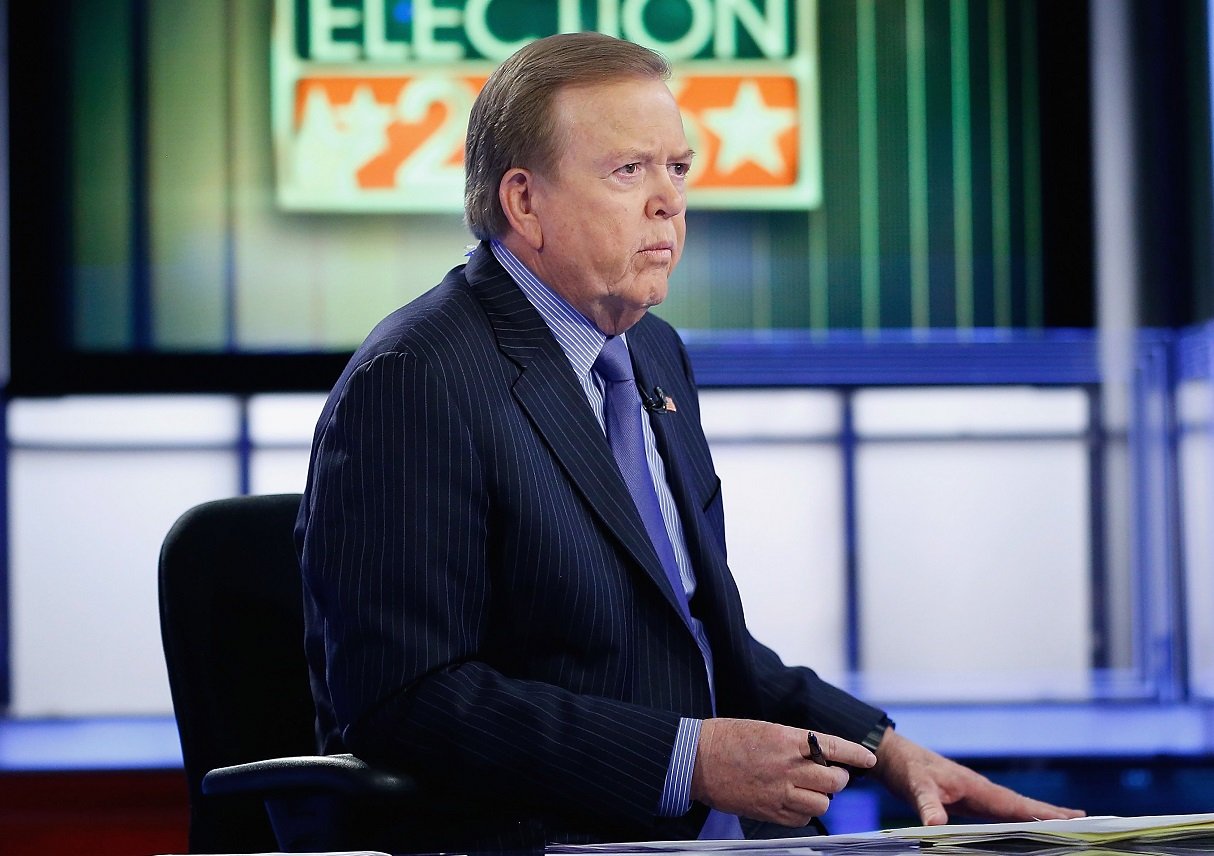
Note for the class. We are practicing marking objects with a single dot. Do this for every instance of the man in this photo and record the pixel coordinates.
(514, 562)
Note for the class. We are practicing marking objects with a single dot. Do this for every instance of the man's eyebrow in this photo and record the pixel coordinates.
(642, 156)
(629, 155)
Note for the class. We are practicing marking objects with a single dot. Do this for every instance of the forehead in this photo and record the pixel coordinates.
(626, 113)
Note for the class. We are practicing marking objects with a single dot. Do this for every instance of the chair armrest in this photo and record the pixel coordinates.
(334, 774)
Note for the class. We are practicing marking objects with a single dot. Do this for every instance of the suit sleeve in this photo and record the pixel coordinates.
(791, 695)
(795, 695)
(396, 558)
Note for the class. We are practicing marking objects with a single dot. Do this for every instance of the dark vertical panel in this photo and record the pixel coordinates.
(1015, 96)
(892, 152)
(1030, 148)
(980, 164)
(841, 162)
(1000, 159)
(942, 270)
(1165, 182)
(1198, 108)
(1066, 170)
(40, 228)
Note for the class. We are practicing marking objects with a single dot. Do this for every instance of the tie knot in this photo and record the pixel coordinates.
(613, 363)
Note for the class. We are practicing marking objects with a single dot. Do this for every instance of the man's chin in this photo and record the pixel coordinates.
(657, 292)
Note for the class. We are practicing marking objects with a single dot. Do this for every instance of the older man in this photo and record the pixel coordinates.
(512, 537)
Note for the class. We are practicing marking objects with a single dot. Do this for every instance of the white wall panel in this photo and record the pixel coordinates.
(86, 529)
(151, 420)
(284, 418)
(974, 580)
(770, 413)
(784, 524)
(969, 410)
(784, 517)
(278, 470)
(280, 430)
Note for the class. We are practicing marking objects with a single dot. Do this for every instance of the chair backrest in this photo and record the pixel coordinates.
(231, 618)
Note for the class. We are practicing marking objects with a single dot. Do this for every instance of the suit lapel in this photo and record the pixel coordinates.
(676, 440)
(553, 400)
(690, 476)
(670, 429)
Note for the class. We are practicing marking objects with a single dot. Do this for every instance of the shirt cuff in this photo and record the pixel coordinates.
(676, 794)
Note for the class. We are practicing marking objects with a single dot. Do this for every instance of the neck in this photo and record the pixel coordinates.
(610, 317)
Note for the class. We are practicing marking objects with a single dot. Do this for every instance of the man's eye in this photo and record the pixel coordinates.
(680, 169)
(630, 168)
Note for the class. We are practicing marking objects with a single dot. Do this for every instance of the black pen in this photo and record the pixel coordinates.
(815, 751)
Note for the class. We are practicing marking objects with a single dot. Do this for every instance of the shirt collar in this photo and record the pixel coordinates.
(575, 333)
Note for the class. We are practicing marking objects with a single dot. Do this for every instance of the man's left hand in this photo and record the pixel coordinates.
(934, 785)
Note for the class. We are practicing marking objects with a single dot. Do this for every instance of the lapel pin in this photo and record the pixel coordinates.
(659, 402)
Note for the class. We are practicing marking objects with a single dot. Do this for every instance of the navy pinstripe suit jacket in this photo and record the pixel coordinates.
(483, 605)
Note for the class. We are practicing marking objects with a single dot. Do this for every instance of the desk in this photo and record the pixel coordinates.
(1164, 834)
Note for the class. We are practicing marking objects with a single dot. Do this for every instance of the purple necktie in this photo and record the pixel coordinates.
(622, 414)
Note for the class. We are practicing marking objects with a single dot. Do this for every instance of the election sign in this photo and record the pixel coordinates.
(371, 97)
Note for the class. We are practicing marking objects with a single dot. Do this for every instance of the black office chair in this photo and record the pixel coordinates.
(231, 619)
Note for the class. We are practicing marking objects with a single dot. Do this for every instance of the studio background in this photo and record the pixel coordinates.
(961, 408)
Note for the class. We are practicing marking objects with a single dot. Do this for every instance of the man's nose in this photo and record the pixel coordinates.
(666, 198)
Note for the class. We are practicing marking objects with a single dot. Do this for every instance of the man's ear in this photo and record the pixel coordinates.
(516, 192)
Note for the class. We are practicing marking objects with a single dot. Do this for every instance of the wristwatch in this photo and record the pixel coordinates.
(873, 739)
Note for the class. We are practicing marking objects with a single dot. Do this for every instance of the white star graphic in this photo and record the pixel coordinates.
(749, 130)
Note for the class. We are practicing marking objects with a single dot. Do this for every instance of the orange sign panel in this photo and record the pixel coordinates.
(396, 142)
(747, 129)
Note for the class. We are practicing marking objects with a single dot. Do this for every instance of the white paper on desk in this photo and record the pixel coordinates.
(1090, 830)
(1085, 831)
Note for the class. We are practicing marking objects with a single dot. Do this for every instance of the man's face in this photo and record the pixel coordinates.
(611, 213)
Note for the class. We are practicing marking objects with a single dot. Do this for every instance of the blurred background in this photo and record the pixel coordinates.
(947, 289)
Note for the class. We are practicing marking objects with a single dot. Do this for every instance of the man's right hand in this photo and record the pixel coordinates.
(763, 771)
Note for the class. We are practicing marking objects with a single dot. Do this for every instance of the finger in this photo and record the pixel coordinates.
(929, 803)
(930, 808)
(1001, 803)
(1046, 811)
(803, 803)
(823, 780)
(840, 751)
